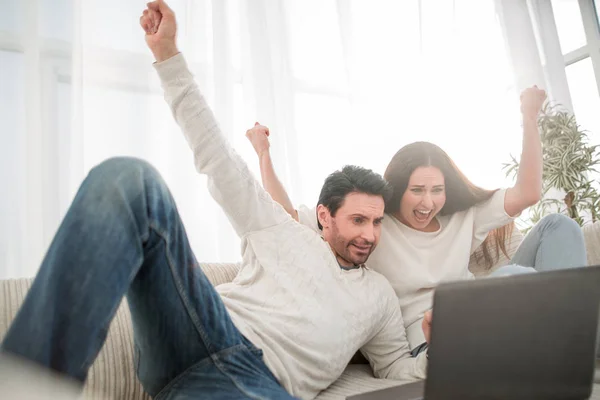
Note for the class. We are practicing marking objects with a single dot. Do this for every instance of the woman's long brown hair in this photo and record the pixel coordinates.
(461, 193)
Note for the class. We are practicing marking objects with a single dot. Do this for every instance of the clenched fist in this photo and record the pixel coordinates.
(259, 137)
(158, 21)
(532, 101)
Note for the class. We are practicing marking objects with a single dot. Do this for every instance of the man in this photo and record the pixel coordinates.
(288, 324)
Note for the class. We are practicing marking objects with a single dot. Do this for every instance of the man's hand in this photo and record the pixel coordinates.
(259, 137)
(427, 325)
(158, 21)
(532, 100)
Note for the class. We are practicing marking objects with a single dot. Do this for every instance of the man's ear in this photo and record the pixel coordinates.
(323, 215)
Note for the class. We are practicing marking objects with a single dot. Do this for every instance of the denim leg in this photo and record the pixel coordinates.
(512, 269)
(122, 236)
(234, 373)
(555, 242)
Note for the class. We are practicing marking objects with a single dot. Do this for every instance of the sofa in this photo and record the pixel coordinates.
(112, 375)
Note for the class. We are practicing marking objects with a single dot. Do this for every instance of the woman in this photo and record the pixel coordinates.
(437, 218)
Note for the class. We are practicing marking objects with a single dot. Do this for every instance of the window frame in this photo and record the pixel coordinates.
(555, 60)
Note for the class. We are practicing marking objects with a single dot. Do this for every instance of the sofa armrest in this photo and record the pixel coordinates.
(219, 273)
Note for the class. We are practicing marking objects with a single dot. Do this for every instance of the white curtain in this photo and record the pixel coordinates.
(337, 81)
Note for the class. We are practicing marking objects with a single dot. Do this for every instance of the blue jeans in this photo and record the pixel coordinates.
(122, 236)
(555, 242)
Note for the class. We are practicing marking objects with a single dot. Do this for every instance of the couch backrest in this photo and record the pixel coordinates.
(591, 235)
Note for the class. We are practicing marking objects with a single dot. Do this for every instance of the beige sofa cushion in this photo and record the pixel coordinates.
(357, 378)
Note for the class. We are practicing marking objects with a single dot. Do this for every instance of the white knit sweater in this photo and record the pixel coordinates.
(291, 298)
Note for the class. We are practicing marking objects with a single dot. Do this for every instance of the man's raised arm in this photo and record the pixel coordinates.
(247, 205)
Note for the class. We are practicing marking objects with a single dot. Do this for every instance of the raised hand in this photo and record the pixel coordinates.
(259, 137)
(532, 101)
(158, 21)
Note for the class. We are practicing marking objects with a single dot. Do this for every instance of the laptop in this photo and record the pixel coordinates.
(530, 336)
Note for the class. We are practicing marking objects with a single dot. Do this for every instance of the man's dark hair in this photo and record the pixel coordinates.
(351, 179)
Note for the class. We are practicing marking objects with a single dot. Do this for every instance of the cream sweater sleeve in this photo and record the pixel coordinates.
(489, 215)
(247, 205)
(388, 351)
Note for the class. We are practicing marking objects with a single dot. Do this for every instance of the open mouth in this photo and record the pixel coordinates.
(421, 215)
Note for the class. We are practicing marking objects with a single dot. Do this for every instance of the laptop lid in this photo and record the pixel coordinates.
(520, 337)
